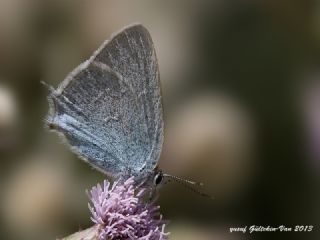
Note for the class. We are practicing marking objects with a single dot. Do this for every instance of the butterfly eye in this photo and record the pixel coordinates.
(158, 178)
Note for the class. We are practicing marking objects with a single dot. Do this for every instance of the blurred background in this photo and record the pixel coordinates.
(241, 91)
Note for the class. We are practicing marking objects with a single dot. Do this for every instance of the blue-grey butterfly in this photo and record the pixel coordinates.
(109, 108)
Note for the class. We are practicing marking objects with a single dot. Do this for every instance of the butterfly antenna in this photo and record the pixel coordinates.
(49, 87)
(188, 184)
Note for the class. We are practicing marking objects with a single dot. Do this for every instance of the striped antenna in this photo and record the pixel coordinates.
(188, 184)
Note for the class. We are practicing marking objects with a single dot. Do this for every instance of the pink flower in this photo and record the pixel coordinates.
(120, 212)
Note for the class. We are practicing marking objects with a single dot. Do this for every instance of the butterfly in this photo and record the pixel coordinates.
(109, 108)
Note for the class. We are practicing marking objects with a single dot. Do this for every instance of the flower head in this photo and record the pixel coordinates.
(121, 213)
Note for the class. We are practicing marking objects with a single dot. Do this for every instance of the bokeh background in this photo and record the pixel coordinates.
(241, 90)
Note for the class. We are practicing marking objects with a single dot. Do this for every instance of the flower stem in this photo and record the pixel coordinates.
(87, 234)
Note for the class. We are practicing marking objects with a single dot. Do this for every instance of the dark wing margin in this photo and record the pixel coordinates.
(109, 108)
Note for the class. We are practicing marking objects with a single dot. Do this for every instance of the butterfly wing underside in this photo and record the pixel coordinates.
(109, 108)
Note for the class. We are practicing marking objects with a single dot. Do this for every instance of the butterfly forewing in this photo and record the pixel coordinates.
(131, 53)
